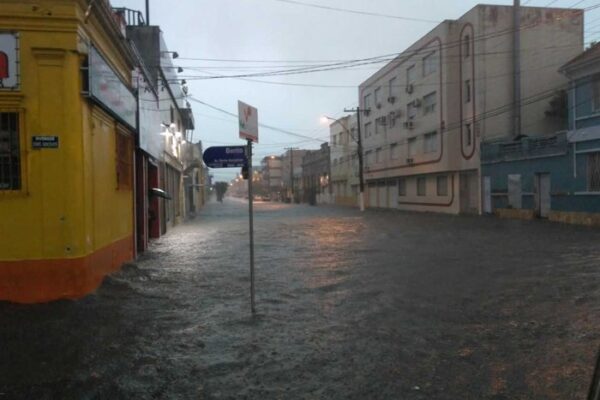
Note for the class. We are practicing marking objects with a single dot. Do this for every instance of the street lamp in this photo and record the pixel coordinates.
(359, 151)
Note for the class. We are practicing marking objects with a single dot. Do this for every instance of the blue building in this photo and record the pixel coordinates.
(553, 176)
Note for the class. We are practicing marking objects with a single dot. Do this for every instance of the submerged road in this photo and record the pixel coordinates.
(379, 305)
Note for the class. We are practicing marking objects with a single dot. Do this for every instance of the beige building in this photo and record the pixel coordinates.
(344, 161)
(291, 175)
(433, 104)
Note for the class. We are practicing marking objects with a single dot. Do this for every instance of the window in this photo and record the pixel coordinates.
(412, 146)
(368, 129)
(594, 172)
(410, 75)
(596, 95)
(401, 187)
(124, 161)
(467, 45)
(442, 185)
(368, 157)
(378, 155)
(411, 110)
(394, 153)
(467, 91)
(429, 102)
(421, 186)
(468, 134)
(10, 152)
(367, 102)
(430, 63)
(430, 142)
(334, 140)
(377, 96)
(392, 87)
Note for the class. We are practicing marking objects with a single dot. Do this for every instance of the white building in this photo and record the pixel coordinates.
(344, 160)
(433, 104)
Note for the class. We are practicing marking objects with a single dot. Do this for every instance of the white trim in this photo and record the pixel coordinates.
(597, 150)
(587, 193)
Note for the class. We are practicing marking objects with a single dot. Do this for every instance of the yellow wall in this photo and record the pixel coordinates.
(69, 206)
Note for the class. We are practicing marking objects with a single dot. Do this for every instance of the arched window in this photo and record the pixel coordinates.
(467, 45)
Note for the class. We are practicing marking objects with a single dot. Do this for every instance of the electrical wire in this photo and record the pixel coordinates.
(350, 11)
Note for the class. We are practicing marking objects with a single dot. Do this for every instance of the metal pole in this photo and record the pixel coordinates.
(360, 163)
(517, 67)
(251, 221)
(148, 12)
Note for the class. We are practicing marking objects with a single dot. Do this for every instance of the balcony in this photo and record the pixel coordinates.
(527, 147)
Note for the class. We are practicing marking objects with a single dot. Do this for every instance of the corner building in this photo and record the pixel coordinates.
(67, 127)
(428, 110)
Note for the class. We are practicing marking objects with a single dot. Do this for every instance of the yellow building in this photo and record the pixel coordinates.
(67, 123)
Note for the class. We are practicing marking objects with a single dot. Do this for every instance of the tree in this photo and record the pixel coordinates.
(221, 188)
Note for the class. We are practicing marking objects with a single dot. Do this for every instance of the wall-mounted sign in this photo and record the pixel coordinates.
(248, 119)
(44, 142)
(225, 156)
(9, 61)
(107, 88)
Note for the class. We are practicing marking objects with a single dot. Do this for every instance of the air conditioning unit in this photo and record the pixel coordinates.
(378, 105)
(381, 120)
(392, 99)
(409, 125)
(410, 160)
(417, 103)
(409, 88)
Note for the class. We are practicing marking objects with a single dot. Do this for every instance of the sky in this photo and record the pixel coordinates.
(275, 35)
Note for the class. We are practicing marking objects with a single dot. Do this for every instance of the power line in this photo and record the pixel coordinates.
(358, 12)
(270, 127)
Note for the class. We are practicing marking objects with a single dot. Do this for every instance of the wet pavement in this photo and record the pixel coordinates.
(380, 305)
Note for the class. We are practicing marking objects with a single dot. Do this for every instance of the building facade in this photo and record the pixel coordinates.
(271, 171)
(291, 175)
(344, 161)
(558, 176)
(316, 175)
(166, 125)
(427, 111)
(66, 178)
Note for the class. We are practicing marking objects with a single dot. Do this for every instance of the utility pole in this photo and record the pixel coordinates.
(517, 68)
(148, 12)
(359, 149)
(291, 150)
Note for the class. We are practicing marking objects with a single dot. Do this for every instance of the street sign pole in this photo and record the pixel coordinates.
(248, 122)
(251, 222)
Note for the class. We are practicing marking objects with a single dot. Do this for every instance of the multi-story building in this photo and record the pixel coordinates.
(316, 174)
(67, 129)
(427, 111)
(271, 177)
(344, 161)
(291, 175)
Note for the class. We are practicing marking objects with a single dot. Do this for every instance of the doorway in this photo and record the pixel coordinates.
(542, 195)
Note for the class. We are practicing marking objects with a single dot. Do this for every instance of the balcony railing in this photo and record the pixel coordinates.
(525, 148)
(131, 17)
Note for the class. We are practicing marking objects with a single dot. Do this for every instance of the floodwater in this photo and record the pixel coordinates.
(379, 305)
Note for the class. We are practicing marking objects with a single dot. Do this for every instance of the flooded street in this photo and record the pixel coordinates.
(393, 306)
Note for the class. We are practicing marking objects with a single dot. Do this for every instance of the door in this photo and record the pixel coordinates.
(382, 195)
(542, 195)
(372, 195)
(393, 194)
(469, 192)
(487, 195)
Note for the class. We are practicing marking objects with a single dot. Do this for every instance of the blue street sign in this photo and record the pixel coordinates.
(225, 156)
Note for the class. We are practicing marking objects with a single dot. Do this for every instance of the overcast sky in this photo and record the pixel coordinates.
(272, 33)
